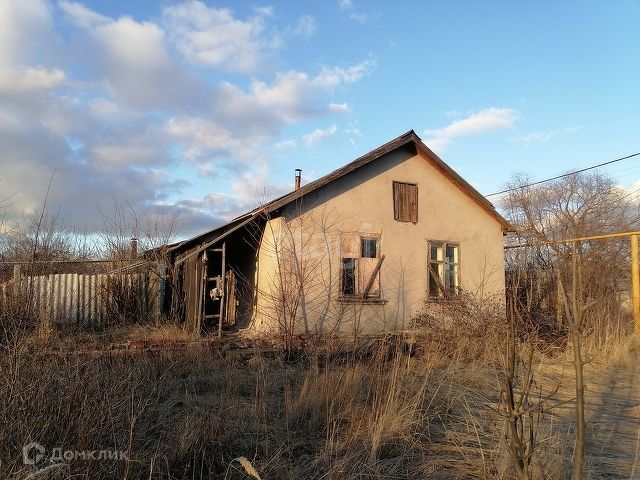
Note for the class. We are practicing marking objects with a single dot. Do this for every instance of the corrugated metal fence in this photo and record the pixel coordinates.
(70, 298)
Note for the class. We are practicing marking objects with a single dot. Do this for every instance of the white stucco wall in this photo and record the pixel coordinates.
(309, 233)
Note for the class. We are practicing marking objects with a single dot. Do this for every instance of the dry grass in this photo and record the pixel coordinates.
(70, 338)
(375, 411)
(618, 352)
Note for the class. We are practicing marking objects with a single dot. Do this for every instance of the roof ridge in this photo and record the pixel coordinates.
(397, 142)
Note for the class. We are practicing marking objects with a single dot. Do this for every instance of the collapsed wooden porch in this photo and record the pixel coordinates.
(215, 277)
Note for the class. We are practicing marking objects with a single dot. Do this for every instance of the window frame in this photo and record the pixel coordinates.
(445, 292)
(396, 203)
(357, 295)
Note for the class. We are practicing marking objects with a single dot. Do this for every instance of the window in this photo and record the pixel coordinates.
(349, 274)
(360, 266)
(444, 269)
(405, 202)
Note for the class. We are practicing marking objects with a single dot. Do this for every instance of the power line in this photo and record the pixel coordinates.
(564, 175)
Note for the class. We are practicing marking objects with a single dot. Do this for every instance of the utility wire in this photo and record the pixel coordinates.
(564, 175)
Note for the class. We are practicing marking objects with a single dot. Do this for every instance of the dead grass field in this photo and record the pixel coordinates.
(375, 411)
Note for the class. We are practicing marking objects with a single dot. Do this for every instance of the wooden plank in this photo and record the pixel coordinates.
(193, 293)
(222, 300)
(405, 202)
(413, 203)
(369, 268)
(201, 287)
(230, 298)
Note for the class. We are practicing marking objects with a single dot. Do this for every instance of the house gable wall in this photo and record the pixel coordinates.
(362, 201)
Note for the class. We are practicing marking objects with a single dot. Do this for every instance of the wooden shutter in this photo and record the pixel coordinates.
(405, 202)
(412, 202)
(397, 202)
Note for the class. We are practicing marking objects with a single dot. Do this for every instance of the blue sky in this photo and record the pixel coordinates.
(202, 109)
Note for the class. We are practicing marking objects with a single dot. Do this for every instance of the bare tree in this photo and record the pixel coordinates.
(304, 248)
(572, 207)
(135, 242)
(575, 206)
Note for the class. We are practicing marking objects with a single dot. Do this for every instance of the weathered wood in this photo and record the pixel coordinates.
(202, 248)
(222, 300)
(373, 276)
(413, 203)
(405, 202)
(230, 298)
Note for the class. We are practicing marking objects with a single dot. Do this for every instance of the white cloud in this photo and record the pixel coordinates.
(83, 16)
(110, 111)
(126, 154)
(334, 76)
(353, 133)
(312, 138)
(248, 191)
(264, 11)
(133, 57)
(199, 132)
(25, 79)
(305, 26)
(364, 17)
(122, 112)
(286, 145)
(213, 37)
(349, 7)
(484, 121)
(26, 30)
(541, 137)
(338, 107)
(292, 96)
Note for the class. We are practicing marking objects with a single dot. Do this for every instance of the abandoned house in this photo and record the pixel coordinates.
(362, 249)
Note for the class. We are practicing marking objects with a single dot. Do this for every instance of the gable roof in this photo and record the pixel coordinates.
(407, 138)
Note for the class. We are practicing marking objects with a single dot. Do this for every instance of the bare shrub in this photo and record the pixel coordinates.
(575, 206)
(463, 327)
(129, 300)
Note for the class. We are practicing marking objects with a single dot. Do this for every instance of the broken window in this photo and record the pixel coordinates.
(444, 269)
(369, 247)
(349, 274)
(360, 269)
(405, 202)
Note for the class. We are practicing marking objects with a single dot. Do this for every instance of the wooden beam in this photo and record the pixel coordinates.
(372, 278)
(217, 239)
(221, 287)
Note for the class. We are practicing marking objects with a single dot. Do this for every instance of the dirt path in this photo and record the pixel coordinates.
(612, 416)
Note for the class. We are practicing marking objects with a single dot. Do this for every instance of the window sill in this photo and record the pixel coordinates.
(360, 300)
